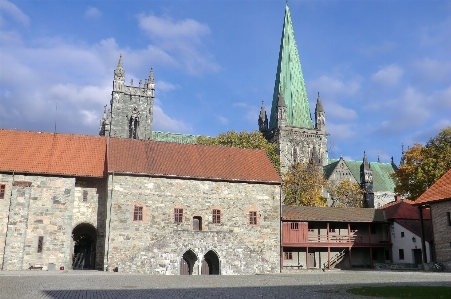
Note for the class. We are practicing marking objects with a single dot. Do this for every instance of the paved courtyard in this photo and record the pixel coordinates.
(314, 284)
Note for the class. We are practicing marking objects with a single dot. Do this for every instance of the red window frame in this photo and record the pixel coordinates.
(216, 216)
(2, 191)
(178, 215)
(253, 218)
(138, 213)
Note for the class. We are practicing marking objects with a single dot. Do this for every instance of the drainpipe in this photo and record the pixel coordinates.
(423, 242)
(280, 229)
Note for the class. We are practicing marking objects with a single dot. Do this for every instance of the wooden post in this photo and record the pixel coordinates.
(423, 241)
(328, 257)
(369, 233)
(349, 232)
(350, 258)
(371, 257)
(306, 257)
(327, 228)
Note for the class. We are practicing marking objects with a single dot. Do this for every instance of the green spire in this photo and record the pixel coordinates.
(290, 81)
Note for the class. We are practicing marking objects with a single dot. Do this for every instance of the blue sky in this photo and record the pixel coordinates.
(383, 68)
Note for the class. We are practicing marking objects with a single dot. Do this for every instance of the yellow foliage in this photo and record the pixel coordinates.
(345, 194)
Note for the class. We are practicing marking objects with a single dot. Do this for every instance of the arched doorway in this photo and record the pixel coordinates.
(85, 238)
(210, 264)
(187, 263)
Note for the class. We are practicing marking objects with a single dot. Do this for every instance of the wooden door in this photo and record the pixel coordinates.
(184, 267)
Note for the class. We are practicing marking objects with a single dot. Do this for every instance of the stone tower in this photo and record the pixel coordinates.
(366, 179)
(291, 126)
(131, 108)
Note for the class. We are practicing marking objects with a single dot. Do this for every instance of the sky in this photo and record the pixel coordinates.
(383, 68)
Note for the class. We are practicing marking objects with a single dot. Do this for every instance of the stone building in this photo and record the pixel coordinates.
(438, 198)
(87, 202)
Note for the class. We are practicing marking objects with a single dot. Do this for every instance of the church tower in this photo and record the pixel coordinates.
(366, 178)
(297, 139)
(131, 108)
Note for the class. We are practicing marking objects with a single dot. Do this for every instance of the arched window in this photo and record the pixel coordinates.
(133, 124)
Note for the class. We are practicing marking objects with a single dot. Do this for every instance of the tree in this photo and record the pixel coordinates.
(345, 194)
(421, 166)
(254, 139)
(303, 184)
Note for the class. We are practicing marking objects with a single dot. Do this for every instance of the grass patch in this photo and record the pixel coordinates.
(413, 292)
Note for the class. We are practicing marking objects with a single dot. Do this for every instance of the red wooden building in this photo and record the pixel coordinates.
(326, 237)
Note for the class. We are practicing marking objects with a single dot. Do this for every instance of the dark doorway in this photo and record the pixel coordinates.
(187, 263)
(417, 257)
(311, 260)
(85, 238)
(210, 264)
(197, 223)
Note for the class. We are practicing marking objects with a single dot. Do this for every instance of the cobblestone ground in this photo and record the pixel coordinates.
(314, 284)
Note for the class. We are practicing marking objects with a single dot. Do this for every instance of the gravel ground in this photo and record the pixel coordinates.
(306, 284)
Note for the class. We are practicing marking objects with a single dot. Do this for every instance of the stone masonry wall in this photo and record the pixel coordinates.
(442, 230)
(156, 244)
(43, 208)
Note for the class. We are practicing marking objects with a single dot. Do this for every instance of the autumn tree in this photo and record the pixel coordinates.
(254, 139)
(303, 185)
(421, 166)
(345, 193)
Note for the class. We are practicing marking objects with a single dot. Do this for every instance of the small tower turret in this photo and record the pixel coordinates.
(366, 178)
(119, 76)
(150, 85)
(320, 115)
(281, 111)
(263, 119)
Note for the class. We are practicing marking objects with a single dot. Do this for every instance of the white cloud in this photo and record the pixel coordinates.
(15, 12)
(336, 112)
(434, 70)
(162, 122)
(385, 47)
(331, 87)
(340, 131)
(222, 119)
(165, 86)
(92, 12)
(183, 39)
(389, 75)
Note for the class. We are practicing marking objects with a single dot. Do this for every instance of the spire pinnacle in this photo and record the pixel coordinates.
(281, 102)
(151, 79)
(290, 81)
(263, 111)
(119, 64)
(319, 104)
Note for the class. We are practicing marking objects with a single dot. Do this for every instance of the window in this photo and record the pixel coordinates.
(197, 223)
(85, 195)
(448, 216)
(253, 218)
(373, 229)
(287, 255)
(2, 192)
(402, 234)
(40, 243)
(178, 215)
(401, 254)
(138, 213)
(295, 225)
(216, 216)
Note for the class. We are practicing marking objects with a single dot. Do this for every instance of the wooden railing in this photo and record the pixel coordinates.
(342, 239)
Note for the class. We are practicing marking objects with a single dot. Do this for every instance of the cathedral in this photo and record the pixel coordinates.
(143, 201)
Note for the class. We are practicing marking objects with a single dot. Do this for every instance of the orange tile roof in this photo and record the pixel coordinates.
(403, 209)
(49, 153)
(439, 191)
(332, 214)
(157, 158)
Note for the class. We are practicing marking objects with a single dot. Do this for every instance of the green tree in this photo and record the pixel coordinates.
(303, 185)
(422, 166)
(254, 139)
(345, 194)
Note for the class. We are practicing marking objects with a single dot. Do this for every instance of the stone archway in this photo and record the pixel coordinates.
(84, 236)
(187, 262)
(210, 264)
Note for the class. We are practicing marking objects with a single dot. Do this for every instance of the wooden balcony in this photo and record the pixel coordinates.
(298, 235)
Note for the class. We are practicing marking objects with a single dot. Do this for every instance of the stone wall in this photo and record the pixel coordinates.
(36, 206)
(48, 207)
(156, 244)
(442, 230)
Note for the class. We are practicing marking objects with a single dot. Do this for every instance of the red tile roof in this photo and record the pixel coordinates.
(439, 191)
(403, 209)
(332, 214)
(157, 158)
(49, 153)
